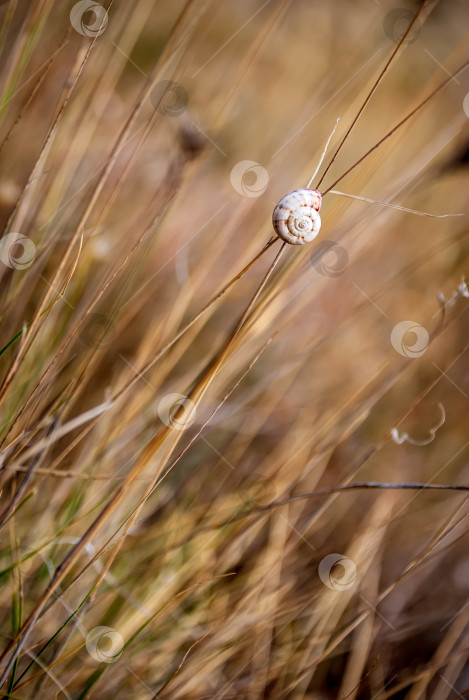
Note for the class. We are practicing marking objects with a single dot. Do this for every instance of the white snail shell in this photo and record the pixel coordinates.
(296, 217)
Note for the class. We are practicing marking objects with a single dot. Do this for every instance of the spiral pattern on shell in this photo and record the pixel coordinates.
(296, 217)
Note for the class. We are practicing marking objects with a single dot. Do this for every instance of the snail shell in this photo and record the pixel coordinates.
(296, 217)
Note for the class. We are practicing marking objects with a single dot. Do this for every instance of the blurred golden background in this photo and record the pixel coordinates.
(169, 519)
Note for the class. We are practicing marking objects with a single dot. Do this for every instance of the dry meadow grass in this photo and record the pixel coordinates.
(208, 548)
